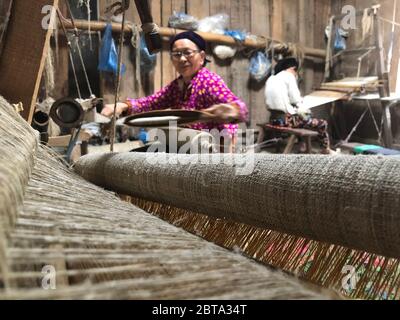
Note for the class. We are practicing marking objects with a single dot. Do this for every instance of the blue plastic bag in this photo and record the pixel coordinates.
(340, 41)
(259, 67)
(143, 136)
(108, 53)
(147, 60)
(238, 35)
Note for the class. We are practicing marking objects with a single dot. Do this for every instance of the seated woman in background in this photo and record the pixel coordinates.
(283, 100)
(197, 88)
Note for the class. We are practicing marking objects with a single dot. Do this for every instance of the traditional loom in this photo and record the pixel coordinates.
(315, 217)
(101, 247)
(307, 215)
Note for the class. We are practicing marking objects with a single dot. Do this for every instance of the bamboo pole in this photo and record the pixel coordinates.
(258, 43)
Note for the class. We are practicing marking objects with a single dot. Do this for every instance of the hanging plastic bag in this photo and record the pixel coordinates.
(148, 61)
(108, 53)
(143, 136)
(180, 20)
(260, 66)
(238, 35)
(340, 41)
(214, 24)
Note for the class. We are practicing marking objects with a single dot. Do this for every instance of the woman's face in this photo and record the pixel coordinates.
(187, 58)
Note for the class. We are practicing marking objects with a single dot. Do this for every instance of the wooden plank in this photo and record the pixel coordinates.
(63, 141)
(167, 69)
(290, 21)
(167, 9)
(201, 9)
(321, 97)
(239, 73)
(277, 22)
(322, 12)
(157, 77)
(306, 38)
(198, 8)
(221, 67)
(106, 78)
(260, 25)
(25, 31)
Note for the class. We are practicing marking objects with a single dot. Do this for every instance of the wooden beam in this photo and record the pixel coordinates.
(258, 43)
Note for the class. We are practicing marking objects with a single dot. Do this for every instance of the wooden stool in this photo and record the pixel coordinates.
(293, 133)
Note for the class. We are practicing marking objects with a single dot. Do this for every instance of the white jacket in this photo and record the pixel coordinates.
(282, 93)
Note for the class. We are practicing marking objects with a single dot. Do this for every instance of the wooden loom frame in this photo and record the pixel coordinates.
(383, 76)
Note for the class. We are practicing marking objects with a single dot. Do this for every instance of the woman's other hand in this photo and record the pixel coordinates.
(108, 109)
(224, 112)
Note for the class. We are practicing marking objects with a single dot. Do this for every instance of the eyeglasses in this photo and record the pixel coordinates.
(176, 55)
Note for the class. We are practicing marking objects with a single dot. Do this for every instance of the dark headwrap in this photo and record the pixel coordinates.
(192, 36)
(285, 64)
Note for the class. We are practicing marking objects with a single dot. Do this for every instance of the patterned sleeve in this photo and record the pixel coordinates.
(163, 99)
(219, 92)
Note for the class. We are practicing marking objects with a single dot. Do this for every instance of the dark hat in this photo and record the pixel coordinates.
(192, 36)
(285, 64)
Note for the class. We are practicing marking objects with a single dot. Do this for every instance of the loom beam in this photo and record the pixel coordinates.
(349, 201)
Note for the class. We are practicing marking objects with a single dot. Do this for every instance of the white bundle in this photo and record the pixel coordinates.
(225, 52)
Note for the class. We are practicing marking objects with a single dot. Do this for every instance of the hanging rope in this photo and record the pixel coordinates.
(390, 53)
(379, 131)
(76, 39)
(86, 3)
(49, 72)
(118, 83)
(149, 28)
(136, 44)
(70, 53)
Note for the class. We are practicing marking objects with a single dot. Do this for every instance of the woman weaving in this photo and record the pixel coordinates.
(196, 88)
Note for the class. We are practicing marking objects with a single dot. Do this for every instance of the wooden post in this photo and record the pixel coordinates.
(290, 144)
(329, 50)
(384, 90)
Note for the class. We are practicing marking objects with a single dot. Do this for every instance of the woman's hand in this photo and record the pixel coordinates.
(224, 112)
(108, 109)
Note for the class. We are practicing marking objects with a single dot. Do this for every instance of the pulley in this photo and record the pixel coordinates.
(67, 113)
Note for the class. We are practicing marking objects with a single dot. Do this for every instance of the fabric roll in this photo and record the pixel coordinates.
(345, 200)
